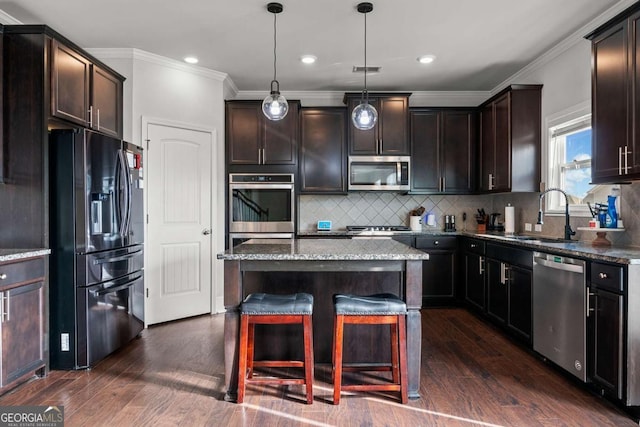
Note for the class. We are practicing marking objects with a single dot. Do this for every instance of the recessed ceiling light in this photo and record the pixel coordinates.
(426, 59)
(190, 59)
(308, 59)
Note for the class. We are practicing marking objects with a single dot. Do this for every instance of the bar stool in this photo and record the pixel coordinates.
(261, 308)
(372, 310)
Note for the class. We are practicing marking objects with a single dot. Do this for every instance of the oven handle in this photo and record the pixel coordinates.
(268, 186)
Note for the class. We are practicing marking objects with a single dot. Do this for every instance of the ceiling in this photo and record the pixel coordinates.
(477, 44)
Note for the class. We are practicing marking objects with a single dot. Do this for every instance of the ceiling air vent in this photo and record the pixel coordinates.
(370, 70)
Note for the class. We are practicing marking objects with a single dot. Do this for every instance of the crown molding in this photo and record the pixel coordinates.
(573, 39)
(141, 55)
(417, 99)
(6, 19)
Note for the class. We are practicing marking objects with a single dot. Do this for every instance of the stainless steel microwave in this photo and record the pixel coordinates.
(390, 173)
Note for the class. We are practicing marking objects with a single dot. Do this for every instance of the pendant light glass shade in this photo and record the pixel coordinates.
(364, 116)
(275, 106)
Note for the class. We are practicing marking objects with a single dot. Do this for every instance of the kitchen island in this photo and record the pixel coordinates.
(323, 267)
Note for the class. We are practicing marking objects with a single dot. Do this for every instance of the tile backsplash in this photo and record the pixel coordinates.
(380, 208)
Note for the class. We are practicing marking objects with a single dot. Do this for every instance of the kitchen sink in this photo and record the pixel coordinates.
(527, 238)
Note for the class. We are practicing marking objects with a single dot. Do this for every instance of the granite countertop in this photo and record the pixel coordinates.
(14, 254)
(324, 250)
(574, 248)
(345, 233)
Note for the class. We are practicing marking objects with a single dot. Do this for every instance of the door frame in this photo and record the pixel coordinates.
(217, 199)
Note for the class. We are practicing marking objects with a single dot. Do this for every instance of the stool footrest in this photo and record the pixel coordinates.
(358, 367)
(267, 380)
(279, 363)
(372, 387)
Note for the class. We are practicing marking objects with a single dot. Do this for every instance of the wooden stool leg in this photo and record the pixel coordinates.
(404, 377)
(337, 358)
(308, 356)
(250, 349)
(395, 345)
(242, 357)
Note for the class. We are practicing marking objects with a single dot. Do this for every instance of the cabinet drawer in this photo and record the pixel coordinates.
(511, 255)
(436, 242)
(607, 276)
(473, 246)
(21, 272)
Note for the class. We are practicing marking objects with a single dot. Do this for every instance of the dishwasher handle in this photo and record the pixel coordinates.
(559, 265)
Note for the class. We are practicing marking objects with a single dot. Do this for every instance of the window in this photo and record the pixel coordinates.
(569, 165)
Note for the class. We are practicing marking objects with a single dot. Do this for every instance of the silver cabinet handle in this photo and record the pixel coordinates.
(620, 160)
(626, 159)
(207, 231)
(98, 114)
(91, 116)
(504, 273)
(490, 181)
(8, 307)
(603, 275)
(481, 265)
(436, 243)
(589, 295)
(473, 245)
(3, 276)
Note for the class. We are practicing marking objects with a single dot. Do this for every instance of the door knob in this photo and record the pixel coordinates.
(207, 231)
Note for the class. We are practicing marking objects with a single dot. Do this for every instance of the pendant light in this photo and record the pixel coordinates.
(275, 106)
(364, 116)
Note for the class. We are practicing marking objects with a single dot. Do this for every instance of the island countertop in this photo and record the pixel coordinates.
(324, 250)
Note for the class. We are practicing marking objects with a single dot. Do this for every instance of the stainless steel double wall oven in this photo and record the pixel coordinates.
(261, 206)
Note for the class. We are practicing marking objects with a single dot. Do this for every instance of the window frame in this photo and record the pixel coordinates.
(554, 201)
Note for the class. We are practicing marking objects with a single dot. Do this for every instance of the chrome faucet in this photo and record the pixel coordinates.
(568, 232)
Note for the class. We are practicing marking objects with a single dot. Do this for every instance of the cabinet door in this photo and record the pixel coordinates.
(607, 341)
(323, 147)
(22, 331)
(106, 102)
(281, 138)
(438, 279)
(497, 282)
(502, 155)
(474, 279)
(457, 143)
(70, 74)
(363, 142)
(244, 133)
(425, 164)
(393, 126)
(609, 102)
(633, 158)
(520, 301)
(487, 148)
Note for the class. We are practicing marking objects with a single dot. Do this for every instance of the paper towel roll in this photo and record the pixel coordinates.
(509, 219)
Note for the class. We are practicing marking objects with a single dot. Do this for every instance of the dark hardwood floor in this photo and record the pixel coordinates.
(174, 375)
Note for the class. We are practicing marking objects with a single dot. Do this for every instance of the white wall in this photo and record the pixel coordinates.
(167, 90)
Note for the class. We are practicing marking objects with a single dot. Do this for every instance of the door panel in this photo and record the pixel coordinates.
(179, 258)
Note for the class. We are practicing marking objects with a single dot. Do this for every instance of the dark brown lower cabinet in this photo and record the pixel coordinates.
(509, 289)
(607, 336)
(22, 321)
(439, 273)
(473, 274)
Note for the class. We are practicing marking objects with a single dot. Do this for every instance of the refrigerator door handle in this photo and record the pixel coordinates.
(117, 258)
(125, 209)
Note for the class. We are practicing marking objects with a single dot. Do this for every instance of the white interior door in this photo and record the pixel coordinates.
(179, 239)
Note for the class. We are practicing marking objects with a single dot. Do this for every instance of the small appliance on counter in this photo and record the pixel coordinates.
(494, 225)
(449, 223)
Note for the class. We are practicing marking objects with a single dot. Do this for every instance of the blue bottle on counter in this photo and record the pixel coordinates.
(612, 214)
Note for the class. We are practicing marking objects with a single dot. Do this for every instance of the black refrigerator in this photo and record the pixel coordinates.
(96, 294)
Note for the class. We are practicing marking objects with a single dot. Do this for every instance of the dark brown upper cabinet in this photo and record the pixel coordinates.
(443, 142)
(83, 92)
(323, 150)
(615, 98)
(510, 140)
(390, 135)
(252, 139)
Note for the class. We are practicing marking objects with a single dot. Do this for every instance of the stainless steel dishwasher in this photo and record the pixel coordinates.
(559, 311)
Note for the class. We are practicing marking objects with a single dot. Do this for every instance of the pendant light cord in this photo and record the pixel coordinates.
(366, 93)
(275, 15)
